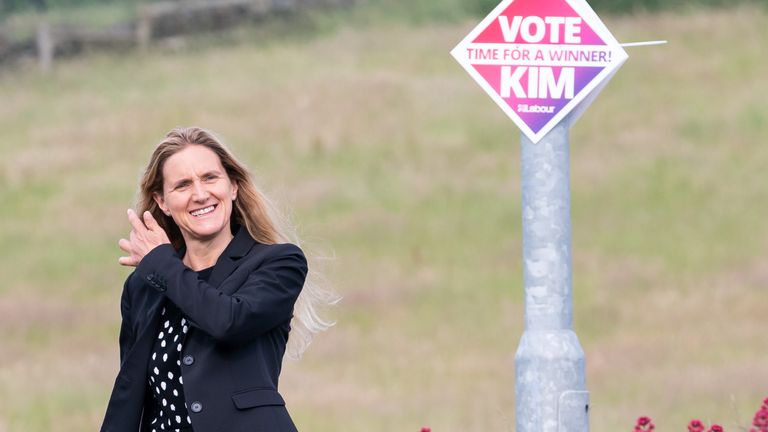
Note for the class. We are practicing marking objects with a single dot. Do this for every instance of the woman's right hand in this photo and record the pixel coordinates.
(144, 237)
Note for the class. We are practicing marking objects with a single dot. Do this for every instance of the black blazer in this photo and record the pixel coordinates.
(233, 351)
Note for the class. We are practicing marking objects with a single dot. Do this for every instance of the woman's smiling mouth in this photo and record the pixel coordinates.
(203, 211)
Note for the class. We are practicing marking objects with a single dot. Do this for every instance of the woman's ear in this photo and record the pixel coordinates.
(161, 203)
(234, 190)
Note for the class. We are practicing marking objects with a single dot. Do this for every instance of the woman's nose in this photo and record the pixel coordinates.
(199, 192)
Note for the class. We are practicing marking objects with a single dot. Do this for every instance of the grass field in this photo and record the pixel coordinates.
(389, 157)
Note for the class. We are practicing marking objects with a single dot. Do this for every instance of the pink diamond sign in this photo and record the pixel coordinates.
(540, 60)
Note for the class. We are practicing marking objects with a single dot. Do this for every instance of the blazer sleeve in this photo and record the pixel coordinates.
(262, 302)
(126, 328)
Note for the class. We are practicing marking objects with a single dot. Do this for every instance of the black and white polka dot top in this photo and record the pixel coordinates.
(164, 374)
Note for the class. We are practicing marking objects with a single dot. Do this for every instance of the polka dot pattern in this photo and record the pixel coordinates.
(165, 376)
(165, 370)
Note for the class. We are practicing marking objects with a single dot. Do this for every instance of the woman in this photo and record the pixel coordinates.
(207, 311)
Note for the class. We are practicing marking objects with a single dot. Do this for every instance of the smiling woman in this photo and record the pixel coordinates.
(207, 313)
(197, 195)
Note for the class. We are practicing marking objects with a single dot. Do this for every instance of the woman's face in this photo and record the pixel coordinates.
(198, 193)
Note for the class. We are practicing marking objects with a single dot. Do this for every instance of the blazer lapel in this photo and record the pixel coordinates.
(229, 260)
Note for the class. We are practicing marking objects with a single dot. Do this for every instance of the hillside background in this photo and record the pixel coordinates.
(391, 159)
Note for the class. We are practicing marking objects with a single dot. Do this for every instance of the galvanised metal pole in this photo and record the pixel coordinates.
(550, 389)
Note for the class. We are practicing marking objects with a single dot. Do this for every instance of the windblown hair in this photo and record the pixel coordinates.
(251, 209)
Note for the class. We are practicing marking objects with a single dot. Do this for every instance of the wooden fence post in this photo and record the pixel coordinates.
(143, 27)
(45, 44)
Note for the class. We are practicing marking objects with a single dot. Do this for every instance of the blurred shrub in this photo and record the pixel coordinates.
(411, 10)
(482, 7)
(8, 7)
(440, 10)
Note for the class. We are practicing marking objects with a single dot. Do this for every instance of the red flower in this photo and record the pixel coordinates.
(715, 428)
(644, 424)
(642, 421)
(695, 426)
(426, 429)
(761, 418)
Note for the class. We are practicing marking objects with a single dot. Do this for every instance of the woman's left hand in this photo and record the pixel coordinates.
(144, 237)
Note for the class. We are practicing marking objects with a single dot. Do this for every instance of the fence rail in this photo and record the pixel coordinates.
(155, 21)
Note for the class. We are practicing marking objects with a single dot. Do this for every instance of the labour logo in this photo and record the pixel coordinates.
(540, 59)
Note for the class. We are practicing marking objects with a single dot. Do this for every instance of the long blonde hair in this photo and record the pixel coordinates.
(251, 209)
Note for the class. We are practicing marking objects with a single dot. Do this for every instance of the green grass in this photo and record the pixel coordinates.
(392, 159)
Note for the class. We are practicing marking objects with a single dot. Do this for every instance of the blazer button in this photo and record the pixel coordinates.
(196, 407)
(188, 360)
